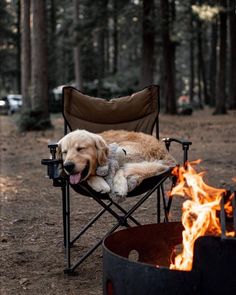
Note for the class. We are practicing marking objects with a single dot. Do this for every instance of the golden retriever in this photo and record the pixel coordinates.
(82, 152)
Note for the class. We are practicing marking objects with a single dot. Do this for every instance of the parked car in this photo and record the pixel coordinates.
(10, 104)
(4, 105)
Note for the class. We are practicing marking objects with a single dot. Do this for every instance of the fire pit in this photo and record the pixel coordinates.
(136, 261)
(198, 258)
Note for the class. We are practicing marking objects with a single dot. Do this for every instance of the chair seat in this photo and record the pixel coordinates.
(146, 185)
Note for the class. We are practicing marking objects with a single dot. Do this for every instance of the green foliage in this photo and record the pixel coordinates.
(115, 85)
(33, 120)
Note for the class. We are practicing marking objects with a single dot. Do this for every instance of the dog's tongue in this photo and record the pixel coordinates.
(75, 178)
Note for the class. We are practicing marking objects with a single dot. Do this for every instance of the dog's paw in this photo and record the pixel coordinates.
(102, 170)
(132, 182)
(116, 198)
(120, 186)
(98, 184)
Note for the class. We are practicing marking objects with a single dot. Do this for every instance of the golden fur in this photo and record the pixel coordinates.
(145, 157)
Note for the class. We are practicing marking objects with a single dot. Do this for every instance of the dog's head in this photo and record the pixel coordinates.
(81, 152)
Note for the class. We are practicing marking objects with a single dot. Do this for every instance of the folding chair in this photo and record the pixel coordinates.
(137, 112)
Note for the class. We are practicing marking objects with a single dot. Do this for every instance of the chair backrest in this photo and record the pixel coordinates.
(137, 112)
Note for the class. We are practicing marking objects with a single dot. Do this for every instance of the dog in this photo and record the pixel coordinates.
(82, 152)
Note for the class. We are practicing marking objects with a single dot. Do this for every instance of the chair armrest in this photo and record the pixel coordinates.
(53, 149)
(183, 142)
(53, 166)
(185, 145)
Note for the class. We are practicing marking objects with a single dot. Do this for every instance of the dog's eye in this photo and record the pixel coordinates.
(64, 152)
(79, 149)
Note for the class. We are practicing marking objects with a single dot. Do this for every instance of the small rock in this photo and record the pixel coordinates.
(50, 223)
(4, 240)
(24, 281)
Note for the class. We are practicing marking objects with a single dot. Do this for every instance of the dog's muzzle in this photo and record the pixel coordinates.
(75, 177)
(69, 167)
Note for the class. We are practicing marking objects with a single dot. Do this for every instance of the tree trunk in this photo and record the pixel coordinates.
(18, 45)
(39, 64)
(102, 6)
(213, 63)
(168, 50)
(202, 69)
(53, 47)
(115, 36)
(148, 40)
(101, 60)
(107, 50)
(25, 54)
(199, 72)
(203, 72)
(221, 75)
(232, 53)
(191, 55)
(77, 57)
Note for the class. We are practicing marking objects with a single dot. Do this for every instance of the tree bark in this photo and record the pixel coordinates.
(191, 54)
(202, 68)
(168, 50)
(77, 55)
(232, 54)
(25, 54)
(102, 6)
(221, 75)
(199, 71)
(213, 63)
(18, 46)
(115, 37)
(148, 41)
(39, 60)
(53, 46)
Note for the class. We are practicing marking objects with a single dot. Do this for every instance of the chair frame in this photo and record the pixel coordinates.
(123, 217)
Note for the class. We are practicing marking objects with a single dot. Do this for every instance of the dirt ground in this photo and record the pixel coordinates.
(32, 255)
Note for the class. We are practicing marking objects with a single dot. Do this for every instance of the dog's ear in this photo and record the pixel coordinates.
(102, 150)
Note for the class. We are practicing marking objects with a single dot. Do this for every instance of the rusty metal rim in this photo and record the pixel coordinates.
(130, 232)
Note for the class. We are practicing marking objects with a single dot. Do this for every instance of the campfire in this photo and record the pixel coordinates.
(144, 259)
(199, 217)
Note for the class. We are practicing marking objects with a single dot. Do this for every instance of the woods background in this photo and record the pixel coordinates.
(108, 48)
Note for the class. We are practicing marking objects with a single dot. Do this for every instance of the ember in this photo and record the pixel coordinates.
(199, 216)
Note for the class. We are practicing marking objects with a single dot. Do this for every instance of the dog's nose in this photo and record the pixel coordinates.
(69, 166)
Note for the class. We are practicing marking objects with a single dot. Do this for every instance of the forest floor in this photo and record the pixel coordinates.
(32, 255)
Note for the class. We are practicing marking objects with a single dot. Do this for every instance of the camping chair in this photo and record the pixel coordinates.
(137, 112)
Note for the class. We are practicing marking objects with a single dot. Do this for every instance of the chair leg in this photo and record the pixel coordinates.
(166, 206)
(92, 221)
(158, 205)
(170, 197)
(110, 210)
(122, 221)
(166, 212)
(64, 213)
(67, 226)
(125, 212)
(145, 197)
(71, 270)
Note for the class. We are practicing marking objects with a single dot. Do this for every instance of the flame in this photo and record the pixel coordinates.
(199, 211)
